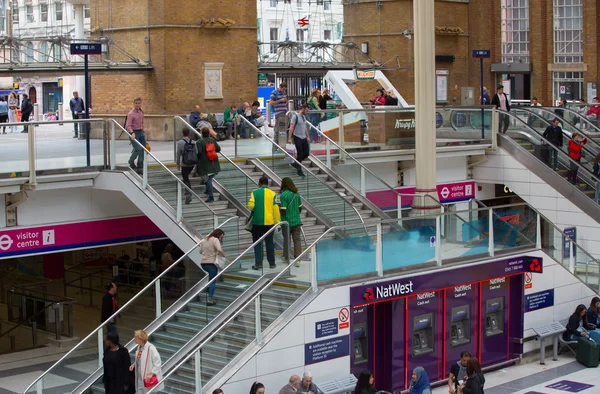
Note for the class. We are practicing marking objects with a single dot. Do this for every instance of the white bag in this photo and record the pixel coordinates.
(291, 150)
(220, 262)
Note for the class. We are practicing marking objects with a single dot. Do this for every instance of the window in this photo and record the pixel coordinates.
(567, 85)
(568, 31)
(86, 12)
(300, 37)
(44, 12)
(29, 13)
(57, 53)
(273, 35)
(515, 31)
(58, 10)
(326, 35)
(326, 5)
(29, 53)
(15, 54)
(15, 13)
(299, 3)
(44, 51)
(273, 3)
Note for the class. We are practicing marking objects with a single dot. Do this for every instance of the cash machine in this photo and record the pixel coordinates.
(361, 344)
(460, 326)
(494, 317)
(422, 337)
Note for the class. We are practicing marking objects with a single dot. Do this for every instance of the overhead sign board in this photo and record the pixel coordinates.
(86, 48)
(481, 53)
(363, 75)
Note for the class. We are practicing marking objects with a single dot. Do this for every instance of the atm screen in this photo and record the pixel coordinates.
(493, 306)
(421, 322)
(459, 314)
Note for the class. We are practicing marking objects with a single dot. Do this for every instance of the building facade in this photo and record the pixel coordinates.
(539, 48)
(39, 27)
(302, 21)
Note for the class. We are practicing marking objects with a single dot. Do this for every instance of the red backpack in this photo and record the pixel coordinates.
(211, 151)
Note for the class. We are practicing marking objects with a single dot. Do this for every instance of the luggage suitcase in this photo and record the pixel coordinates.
(587, 352)
(595, 336)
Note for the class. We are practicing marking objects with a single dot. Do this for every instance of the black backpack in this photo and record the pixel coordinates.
(189, 153)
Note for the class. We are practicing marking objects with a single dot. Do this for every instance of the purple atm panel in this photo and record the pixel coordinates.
(494, 321)
(460, 325)
(398, 348)
(424, 341)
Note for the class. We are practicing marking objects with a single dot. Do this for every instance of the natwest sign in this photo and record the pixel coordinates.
(387, 291)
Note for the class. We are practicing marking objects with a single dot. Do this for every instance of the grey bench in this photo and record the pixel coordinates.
(565, 344)
(553, 331)
(339, 386)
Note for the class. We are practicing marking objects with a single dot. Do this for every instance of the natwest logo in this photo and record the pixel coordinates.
(369, 294)
(535, 266)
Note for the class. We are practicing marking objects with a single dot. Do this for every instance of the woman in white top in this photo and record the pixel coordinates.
(13, 104)
(146, 365)
(209, 249)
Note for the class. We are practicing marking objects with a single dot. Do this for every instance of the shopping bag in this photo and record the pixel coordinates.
(291, 150)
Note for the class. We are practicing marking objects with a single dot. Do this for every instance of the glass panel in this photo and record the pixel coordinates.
(466, 235)
(552, 240)
(413, 237)
(344, 257)
(514, 227)
(587, 269)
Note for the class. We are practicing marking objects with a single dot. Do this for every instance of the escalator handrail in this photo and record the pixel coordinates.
(307, 171)
(560, 151)
(479, 202)
(568, 134)
(206, 205)
(582, 117)
(190, 127)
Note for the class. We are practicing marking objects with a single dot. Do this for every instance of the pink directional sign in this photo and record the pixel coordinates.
(57, 237)
(447, 193)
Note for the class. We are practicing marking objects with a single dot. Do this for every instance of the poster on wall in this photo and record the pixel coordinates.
(592, 91)
(441, 86)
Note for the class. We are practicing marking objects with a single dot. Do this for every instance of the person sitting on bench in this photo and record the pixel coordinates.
(593, 316)
(578, 325)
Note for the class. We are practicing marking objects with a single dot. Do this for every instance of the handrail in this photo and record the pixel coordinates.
(234, 164)
(146, 151)
(398, 194)
(30, 318)
(305, 169)
(582, 117)
(114, 315)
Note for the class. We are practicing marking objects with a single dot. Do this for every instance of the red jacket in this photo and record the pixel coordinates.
(594, 110)
(575, 148)
(378, 100)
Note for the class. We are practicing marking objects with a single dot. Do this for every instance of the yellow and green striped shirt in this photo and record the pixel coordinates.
(263, 202)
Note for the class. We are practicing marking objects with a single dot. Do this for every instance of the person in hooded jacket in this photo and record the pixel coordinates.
(475, 379)
(419, 383)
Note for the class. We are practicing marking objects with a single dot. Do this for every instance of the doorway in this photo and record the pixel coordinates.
(520, 86)
(53, 95)
(32, 95)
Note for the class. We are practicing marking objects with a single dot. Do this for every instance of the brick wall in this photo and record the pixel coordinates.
(177, 49)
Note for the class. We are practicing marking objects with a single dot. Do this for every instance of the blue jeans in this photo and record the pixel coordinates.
(138, 151)
(209, 186)
(597, 196)
(212, 271)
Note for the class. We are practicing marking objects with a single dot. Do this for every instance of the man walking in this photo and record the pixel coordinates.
(26, 109)
(554, 135)
(501, 102)
(109, 307)
(187, 157)
(135, 128)
(279, 106)
(78, 110)
(265, 214)
(299, 137)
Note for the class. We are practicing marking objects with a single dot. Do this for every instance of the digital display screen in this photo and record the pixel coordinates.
(459, 314)
(422, 322)
(494, 305)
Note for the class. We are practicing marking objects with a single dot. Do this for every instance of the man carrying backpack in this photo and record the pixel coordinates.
(208, 161)
(26, 110)
(187, 157)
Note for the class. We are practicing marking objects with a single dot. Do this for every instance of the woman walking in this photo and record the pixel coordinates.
(315, 118)
(210, 249)
(208, 161)
(13, 104)
(116, 363)
(291, 207)
(147, 365)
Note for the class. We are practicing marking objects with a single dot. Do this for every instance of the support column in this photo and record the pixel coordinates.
(424, 42)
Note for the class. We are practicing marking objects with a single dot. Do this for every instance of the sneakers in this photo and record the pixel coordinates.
(209, 199)
(188, 199)
(272, 266)
(211, 303)
(256, 268)
(297, 264)
(300, 173)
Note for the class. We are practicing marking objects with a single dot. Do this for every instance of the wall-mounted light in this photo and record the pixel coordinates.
(364, 47)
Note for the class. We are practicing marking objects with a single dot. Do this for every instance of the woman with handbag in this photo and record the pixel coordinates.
(147, 365)
(291, 207)
(213, 259)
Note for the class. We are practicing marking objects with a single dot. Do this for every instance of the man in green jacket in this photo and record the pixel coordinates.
(228, 120)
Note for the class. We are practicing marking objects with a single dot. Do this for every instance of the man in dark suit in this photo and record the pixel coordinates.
(109, 307)
(501, 102)
(554, 135)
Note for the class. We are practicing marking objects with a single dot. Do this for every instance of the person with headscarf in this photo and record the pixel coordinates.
(364, 384)
(291, 208)
(419, 383)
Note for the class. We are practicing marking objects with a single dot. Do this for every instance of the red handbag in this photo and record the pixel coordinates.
(153, 381)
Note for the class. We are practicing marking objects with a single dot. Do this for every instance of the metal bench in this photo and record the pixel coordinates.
(565, 344)
(339, 386)
(553, 331)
